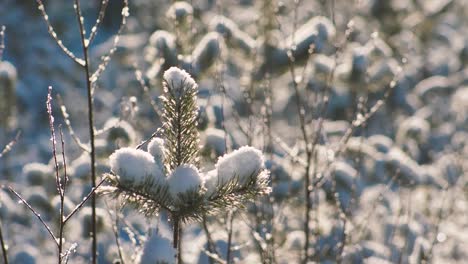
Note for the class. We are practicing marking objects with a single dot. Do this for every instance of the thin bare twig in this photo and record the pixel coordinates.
(62, 196)
(35, 213)
(4, 246)
(146, 90)
(52, 32)
(85, 199)
(106, 58)
(115, 229)
(230, 220)
(2, 41)
(10, 145)
(94, 29)
(87, 69)
(54, 142)
(209, 241)
(66, 118)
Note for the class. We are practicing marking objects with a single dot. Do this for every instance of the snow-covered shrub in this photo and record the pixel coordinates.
(233, 34)
(161, 52)
(206, 52)
(178, 187)
(36, 173)
(402, 166)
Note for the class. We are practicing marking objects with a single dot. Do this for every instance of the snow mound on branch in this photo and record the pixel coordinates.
(132, 165)
(241, 163)
(184, 178)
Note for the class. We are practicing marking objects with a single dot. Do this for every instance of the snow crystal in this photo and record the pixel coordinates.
(184, 178)
(176, 79)
(131, 165)
(242, 163)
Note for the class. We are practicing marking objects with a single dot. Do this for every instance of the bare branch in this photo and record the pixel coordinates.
(102, 12)
(35, 213)
(52, 32)
(78, 207)
(2, 41)
(106, 58)
(10, 145)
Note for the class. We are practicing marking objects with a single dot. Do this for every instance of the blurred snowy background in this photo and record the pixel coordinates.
(395, 192)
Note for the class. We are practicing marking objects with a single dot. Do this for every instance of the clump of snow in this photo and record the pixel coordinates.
(81, 167)
(323, 66)
(382, 73)
(316, 31)
(381, 143)
(37, 198)
(36, 173)
(180, 11)
(459, 105)
(295, 240)
(242, 163)
(413, 128)
(25, 254)
(178, 81)
(161, 44)
(8, 74)
(185, 178)
(432, 86)
(215, 140)
(159, 249)
(211, 181)
(120, 130)
(86, 220)
(232, 33)
(406, 169)
(207, 51)
(132, 166)
(67, 204)
(157, 149)
(360, 60)
(379, 48)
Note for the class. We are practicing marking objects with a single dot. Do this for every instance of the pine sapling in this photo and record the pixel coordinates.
(167, 176)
